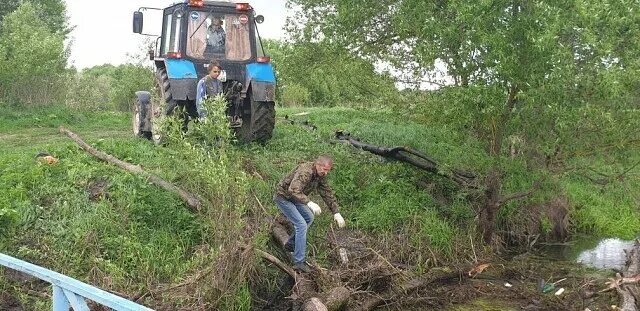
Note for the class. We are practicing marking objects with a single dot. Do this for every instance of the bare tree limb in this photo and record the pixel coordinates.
(192, 201)
(520, 195)
(276, 262)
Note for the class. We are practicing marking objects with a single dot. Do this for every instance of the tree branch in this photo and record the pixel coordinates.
(187, 197)
(520, 195)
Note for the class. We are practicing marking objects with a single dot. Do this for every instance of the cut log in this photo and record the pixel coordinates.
(191, 200)
(337, 298)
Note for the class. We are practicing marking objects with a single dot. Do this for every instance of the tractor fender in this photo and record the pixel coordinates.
(261, 80)
(263, 91)
(144, 102)
(182, 77)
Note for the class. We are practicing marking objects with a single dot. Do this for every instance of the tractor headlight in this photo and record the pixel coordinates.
(223, 76)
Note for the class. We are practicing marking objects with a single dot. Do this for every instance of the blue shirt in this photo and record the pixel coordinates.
(207, 86)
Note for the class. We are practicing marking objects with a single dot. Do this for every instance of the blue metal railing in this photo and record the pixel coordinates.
(69, 292)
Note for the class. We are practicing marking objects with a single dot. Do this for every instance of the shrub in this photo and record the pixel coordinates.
(294, 95)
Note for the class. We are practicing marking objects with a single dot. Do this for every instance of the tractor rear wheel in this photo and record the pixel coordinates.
(162, 104)
(258, 121)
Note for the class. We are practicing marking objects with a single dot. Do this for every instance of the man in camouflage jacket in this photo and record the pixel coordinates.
(292, 199)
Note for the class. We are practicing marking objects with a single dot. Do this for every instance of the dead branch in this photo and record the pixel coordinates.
(276, 262)
(305, 288)
(626, 284)
(411, 156)
(191, 200)
(408, 287)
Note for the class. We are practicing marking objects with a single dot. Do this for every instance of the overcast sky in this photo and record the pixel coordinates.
(103, 29)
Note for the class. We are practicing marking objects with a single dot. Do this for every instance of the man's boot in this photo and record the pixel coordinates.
(289, 247)
(302, 267)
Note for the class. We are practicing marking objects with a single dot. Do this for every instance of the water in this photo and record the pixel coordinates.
(596, 253)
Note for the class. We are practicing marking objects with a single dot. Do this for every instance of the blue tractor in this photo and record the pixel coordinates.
(194, 32)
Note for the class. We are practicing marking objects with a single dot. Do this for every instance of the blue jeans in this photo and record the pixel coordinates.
(301, 217)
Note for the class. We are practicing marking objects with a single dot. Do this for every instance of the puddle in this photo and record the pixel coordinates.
(596, 253)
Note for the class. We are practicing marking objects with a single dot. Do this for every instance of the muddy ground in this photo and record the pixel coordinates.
(491, 281)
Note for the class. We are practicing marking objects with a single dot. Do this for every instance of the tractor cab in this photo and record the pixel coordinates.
(194, 33)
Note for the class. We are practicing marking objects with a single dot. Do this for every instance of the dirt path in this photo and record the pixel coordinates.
(40, 136)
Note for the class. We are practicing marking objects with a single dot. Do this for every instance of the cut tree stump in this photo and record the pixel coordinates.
(192, 201)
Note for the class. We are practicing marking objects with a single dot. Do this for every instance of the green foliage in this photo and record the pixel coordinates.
(32, 59)
(329, 74)
(609, 211)
(52, 12)
(294, 95)
(109, 87)
(146, 236)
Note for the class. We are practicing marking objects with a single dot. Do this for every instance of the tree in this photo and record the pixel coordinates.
(32, 58)
(328, 73)
(562, 74)
(52, 12)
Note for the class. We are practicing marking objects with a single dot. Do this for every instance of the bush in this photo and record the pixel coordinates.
(294, 95)
(109, 87)
(89, 92)
(32, 59)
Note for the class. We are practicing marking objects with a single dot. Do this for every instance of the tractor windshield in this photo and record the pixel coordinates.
(219, 36)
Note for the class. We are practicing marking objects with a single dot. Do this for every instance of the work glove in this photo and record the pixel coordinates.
(338, 218)
(315, 208)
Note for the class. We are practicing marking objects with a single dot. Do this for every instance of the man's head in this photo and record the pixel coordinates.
(216, 23)
(214, 69)
(323, 165)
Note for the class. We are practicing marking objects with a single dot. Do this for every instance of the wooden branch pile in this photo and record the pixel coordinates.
(627, 283)
(365, 280)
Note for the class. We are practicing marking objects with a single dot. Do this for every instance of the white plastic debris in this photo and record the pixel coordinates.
(343, 255)
(508, 285)
(560, 291)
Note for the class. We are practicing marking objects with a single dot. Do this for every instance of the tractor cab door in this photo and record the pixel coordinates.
(171, 30)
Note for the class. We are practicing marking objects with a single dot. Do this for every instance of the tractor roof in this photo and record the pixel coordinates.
(218, 3)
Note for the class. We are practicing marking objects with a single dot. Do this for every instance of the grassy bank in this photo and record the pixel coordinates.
(113, 229)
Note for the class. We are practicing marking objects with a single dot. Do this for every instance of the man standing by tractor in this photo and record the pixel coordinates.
(292, 199)
(208, 86)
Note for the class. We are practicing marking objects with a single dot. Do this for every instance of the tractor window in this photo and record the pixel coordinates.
(222, 36)
(168, 30)
(172, 26)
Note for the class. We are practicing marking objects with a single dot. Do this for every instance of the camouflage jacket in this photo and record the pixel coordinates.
(298, 184)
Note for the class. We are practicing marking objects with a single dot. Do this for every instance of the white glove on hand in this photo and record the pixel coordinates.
(338, 218)
(315, 208)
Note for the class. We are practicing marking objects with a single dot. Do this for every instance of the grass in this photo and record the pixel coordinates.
(136, 236)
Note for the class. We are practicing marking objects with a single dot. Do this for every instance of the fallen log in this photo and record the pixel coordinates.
(411, 156)
(191, 200)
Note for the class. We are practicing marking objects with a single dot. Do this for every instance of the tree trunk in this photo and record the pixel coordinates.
(491, 206)
(492, 202)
